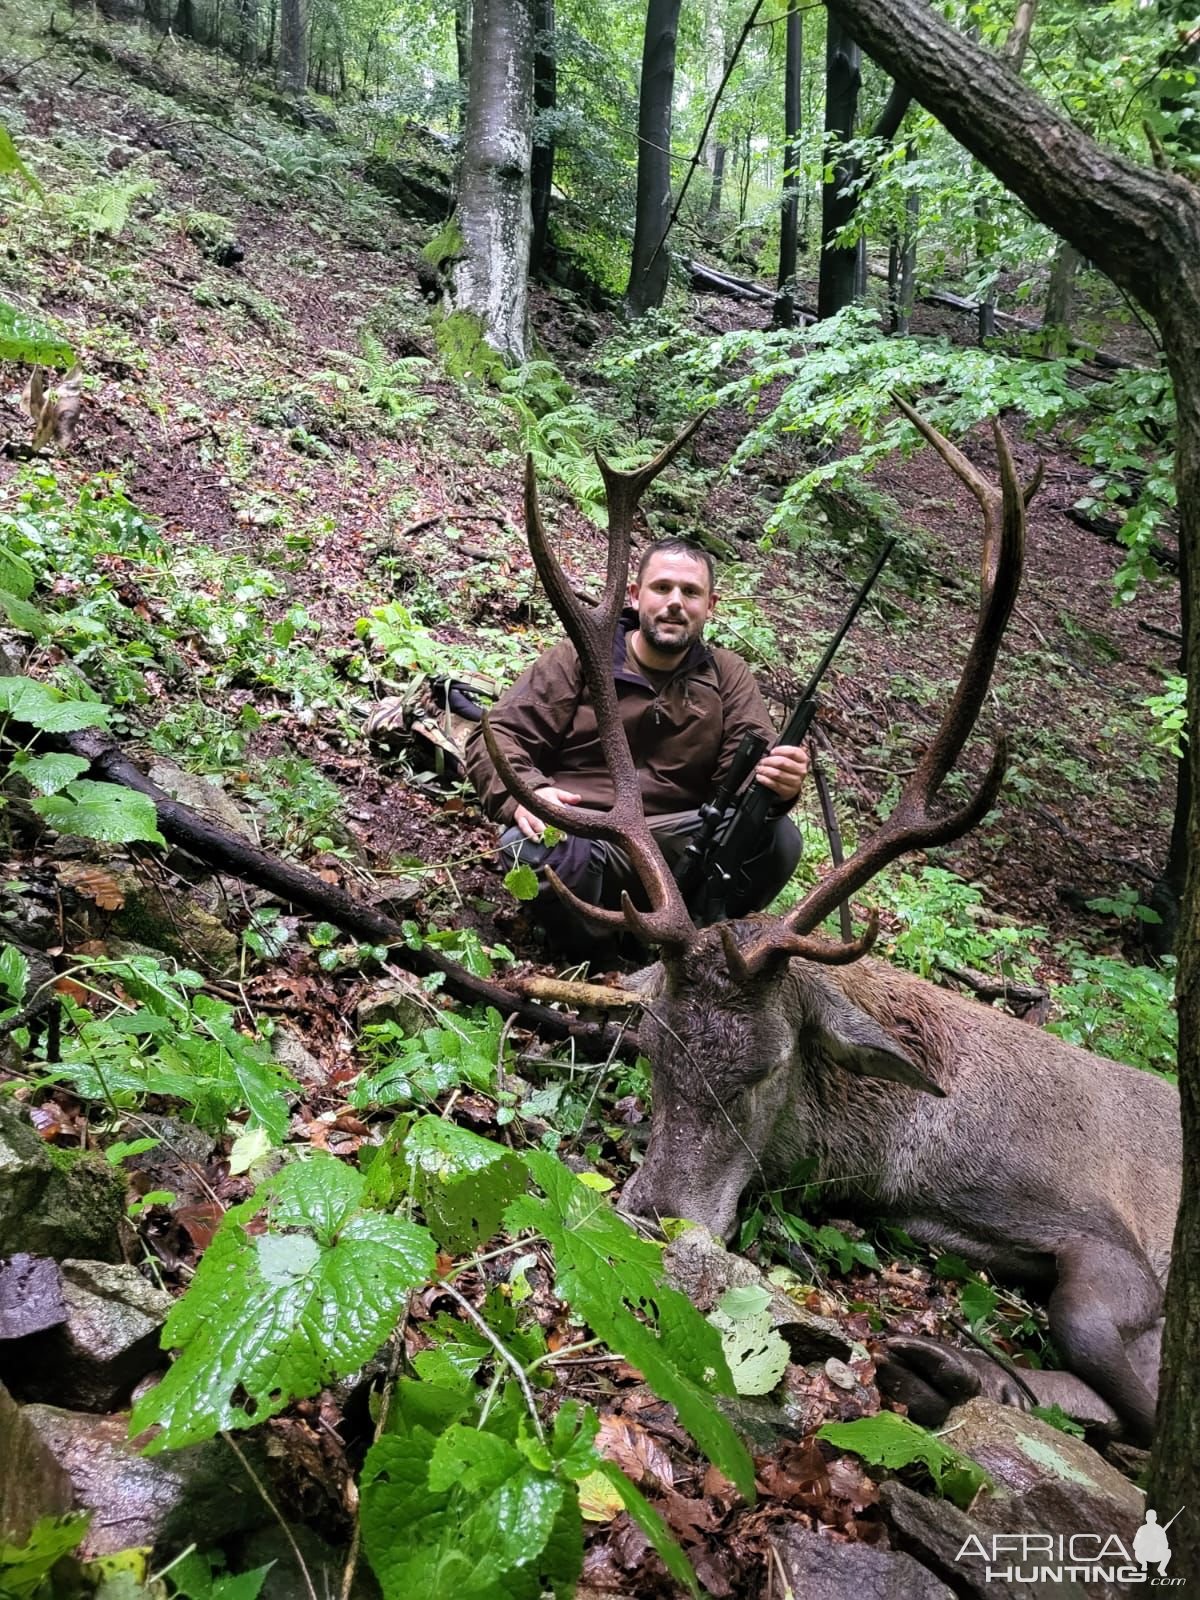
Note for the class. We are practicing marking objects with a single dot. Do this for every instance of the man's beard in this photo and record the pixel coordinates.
(679, 638)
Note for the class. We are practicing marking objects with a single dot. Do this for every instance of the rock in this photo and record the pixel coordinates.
(401, 1001)
(56, 1202)
(109, 1339)
(761, 1423)
(31, 1298)
(174, 925)
(202, 795)
(32, 1484)
(819, 1568)
(199, 1494)
(185, 1142)
(290, 1050)
(1046, 1483)
(699, 1266)
(325, 1564)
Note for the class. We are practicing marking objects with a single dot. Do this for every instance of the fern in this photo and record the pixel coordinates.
(103, 208)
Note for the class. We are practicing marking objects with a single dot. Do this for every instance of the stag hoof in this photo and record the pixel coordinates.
(929, 1378)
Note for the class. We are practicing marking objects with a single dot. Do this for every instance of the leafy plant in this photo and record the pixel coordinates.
(103, 207)
(408, 1070)
(890, 1441)
(1118, 1010)
(382, 382)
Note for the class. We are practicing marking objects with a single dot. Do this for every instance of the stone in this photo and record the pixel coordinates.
(199, 1494)
(172, 924)
(1046, 1482)
(290, 1050)
(401, 1001)
(819, 1568)
(187, 1143)
(107, 1342)
(202, 795)
(31, 1298)
(32, 1484)
(56, 1202)
(699, 1266)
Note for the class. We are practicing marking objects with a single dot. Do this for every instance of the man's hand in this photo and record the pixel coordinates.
(533, 827)
(783, 770)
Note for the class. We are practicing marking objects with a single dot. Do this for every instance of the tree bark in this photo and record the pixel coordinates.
(847, 267)
(649, 267)
(490, 277)
(462, 50)
(545, 98)
(1060, 292)
(789, 221)
(843, 76)
(718, 181)
(1142, 228)
(293, 47)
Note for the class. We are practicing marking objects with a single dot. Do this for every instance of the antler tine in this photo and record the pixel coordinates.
(591, 629)
(745, 965)
(910, 827)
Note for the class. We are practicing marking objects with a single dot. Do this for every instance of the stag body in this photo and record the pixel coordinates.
(1042, 1162)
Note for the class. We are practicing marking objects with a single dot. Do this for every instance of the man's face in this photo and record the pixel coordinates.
(673, 600)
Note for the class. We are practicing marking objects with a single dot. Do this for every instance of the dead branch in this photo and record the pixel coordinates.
(598, 996)
(226, 851)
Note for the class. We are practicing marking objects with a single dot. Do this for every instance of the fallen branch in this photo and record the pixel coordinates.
(714, 282)
(598, 996)
(226, 851)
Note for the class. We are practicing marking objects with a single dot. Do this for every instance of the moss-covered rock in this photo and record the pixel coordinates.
(174, 925)
(56, 1202)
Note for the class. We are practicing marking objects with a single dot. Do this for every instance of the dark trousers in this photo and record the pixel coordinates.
(598, 870)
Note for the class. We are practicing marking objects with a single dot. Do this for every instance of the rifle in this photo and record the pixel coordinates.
(706, 871)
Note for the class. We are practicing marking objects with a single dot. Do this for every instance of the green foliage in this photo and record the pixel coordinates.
(272, 1316)
(408, 646)
(103, 207)
(942, 923)
(462, 1183)
(200, 1576)
(24, 1569)
(170, 1041)
(890, 1441)
(382, 383)
(463, 1050)
(756, 1354)
(613, 1279)
(10, 161)
(1168, 730)
(25, 337)
(1118, 1010)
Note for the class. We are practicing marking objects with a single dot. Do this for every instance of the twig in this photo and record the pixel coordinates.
(272, 1508)
(501, 1350)
(998, 1356)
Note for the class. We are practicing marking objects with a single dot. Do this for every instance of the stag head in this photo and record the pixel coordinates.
(731, 1017)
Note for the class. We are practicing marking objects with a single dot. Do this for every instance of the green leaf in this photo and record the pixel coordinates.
(48, 709)
(463, 1183)
(613, 1279)
(50, 773)
(273, 1317)
(26, 338)
(887, 1440)
(652, 1525)
(756, 1353)
(14, 973)
(105, 811)
(521, 882)
(196, 1577)
(978, 1301)
(23, 1567)
(10, 161)
(27, 618)
(16, 575)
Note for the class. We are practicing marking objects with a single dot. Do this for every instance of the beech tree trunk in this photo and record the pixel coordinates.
(545, 98)
(789, 222)
(1141, 227)
(1060, 292)
(462, 50)
(293, 47)
(718, 181)
(649, 267)
(490, 276)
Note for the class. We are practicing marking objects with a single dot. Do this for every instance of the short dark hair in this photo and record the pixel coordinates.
(683, 547)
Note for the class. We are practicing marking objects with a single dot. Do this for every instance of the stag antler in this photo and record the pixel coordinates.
(910, 826)
(591, 629)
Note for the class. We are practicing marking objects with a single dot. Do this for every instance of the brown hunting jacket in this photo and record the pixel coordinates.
(683, 732)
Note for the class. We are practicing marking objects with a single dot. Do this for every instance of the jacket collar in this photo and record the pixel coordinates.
(699, 656)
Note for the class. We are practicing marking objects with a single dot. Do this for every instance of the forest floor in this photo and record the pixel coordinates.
(301, 478)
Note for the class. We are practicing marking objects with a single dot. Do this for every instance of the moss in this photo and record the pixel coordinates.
(444, 246)
(464, 351)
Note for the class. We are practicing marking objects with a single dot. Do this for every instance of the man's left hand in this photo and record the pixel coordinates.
(783, 770)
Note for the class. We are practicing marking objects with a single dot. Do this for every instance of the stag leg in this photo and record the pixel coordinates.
(1104, 1297)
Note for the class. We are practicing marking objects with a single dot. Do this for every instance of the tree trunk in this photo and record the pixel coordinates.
(545, 98)
(293, 47)
(908, 257)
(462, 46)
(718, 181)
(789, 221)
(1015, 47)
(492, 270)
(1060, 292)
(647, 276)
(843, 75)
(1166, 897)
(1142, 228)
(246, 43)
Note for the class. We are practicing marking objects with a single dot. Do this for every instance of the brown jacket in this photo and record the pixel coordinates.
(683, 735)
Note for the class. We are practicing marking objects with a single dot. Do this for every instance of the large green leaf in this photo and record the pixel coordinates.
(23, 616)
(16, 575)
(614, 1279)
(887, 1440)
(272, 1317)
(48, 709)
(24, 1567)
(26, 338)
(463, 1182)
(49, 773)
(105, 811)
(10, 161)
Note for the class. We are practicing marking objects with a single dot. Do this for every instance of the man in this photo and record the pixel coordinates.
(684, 707)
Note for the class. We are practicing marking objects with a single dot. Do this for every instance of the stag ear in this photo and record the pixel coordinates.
(855, 1041)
